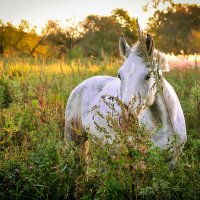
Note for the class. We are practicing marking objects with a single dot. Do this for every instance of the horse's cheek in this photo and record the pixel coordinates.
(150, 99)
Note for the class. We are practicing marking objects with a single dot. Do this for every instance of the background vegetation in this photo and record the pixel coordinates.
(175, 29)
(37, 75)
(36, 163)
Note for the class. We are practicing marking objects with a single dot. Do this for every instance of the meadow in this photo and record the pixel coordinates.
(36, 162)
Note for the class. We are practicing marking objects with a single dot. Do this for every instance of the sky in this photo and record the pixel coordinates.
(37, 12)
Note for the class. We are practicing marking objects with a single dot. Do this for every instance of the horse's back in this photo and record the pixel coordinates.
(84, 97)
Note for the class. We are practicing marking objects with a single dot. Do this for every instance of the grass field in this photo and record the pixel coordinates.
(36, 163)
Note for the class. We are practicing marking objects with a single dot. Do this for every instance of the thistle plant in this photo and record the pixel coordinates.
(155, 72)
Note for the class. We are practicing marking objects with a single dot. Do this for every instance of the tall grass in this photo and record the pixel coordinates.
(36, 162)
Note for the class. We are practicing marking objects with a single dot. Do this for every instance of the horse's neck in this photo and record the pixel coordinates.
(160, 111)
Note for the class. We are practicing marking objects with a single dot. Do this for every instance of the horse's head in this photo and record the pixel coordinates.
(135, 74)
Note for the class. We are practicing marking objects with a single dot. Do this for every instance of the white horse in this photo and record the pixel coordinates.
(134, 80)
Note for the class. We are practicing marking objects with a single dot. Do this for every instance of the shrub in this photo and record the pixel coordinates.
(36, 163)
(5, 93)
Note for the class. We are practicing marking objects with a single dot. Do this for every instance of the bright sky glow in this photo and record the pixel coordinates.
(37, 12)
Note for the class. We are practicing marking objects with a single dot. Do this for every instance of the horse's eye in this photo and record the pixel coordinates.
(118, 75)
(148, 76)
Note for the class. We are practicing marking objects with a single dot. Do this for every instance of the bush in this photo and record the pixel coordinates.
(5, 93)
(36, 163)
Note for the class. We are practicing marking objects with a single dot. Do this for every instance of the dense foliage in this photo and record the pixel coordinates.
(68, 41)
(175, 29)
(36, 162)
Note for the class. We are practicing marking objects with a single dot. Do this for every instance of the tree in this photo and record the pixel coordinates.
(2, 38)
(195, 41)
(128, 24)
(155, 4)
(7, 33)
(64, 39)
(174, 28)
(21, 33)
(102, 32)
(19, 40)
(101, 35)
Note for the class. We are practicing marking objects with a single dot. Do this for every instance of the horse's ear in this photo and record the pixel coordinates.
(124, 47)
(149, 45)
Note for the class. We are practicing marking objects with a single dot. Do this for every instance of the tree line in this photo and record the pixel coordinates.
(175, 29)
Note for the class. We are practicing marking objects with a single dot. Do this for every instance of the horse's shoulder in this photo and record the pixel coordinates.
(173, 103)
(170, 93)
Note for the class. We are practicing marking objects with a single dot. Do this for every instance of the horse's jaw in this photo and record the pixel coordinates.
(150, 98)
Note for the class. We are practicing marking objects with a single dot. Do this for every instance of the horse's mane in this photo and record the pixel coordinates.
(135, 45)
(157, 55)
